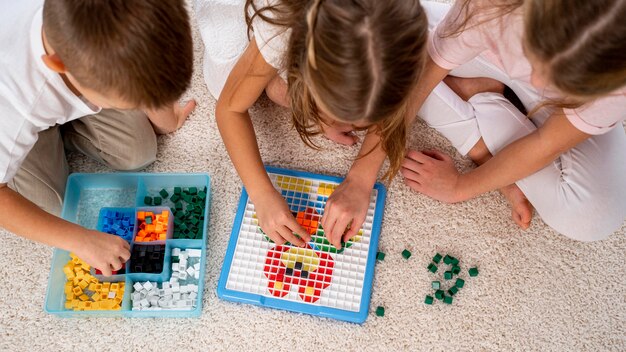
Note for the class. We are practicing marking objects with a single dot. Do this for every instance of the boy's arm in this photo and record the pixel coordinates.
(22, 217)
(170, 118)
(245, 84)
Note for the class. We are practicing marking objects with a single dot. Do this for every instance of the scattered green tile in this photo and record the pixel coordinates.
(439, 294)
(429, 300)
(432, 268)
(380, 256)
(380, 311)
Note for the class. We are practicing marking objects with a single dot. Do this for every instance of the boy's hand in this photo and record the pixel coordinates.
(103, 251)
(346, 207)
(278, 223)
(170, 118)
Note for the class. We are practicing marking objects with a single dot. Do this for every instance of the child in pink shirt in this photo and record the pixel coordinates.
(565, 60)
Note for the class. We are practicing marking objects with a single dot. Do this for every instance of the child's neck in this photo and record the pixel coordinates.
(50, 51)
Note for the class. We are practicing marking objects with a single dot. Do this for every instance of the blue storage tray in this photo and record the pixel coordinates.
(85, 197)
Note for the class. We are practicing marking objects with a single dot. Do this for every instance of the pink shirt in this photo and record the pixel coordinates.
(499, 40)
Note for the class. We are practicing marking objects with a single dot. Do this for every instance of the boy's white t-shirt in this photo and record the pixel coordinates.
(33, 98)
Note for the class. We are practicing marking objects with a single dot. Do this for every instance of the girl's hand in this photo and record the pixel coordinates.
(346, 207)
(102, 251)
(432, 173)
(277, 222)
(339, 132)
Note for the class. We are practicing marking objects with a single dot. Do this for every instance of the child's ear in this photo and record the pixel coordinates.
(54, 63)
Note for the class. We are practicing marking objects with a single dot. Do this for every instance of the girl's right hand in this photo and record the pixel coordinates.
(277, 222)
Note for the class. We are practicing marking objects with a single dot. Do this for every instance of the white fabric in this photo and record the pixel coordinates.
(224, 33)
(443, 101)
(32, 97)
(582, 194)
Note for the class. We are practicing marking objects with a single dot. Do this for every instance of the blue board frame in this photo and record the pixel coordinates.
(243, 297)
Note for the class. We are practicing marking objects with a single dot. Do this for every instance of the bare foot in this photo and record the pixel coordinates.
(468, 87)
(521, 209)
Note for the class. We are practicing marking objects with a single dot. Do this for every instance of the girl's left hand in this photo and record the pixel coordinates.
(346, 206)
(432, 173)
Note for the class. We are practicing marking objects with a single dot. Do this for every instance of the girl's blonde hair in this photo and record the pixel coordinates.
(360, 58)
(582, 43)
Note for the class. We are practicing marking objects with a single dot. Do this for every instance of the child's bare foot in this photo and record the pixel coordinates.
(468, 87)
(521, 209)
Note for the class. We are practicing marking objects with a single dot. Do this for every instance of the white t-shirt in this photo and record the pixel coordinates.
(272, 40)
(33, 98)
(224, 33)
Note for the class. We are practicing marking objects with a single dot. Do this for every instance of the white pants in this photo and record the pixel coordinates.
(582, 194)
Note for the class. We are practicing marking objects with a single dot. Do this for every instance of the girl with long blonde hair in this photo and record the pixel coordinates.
(339, 65)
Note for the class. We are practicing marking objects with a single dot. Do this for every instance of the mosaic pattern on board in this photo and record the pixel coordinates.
(319, 274)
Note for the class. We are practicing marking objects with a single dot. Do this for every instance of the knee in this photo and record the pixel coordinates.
(276, 90)
(136, 157)
(53, 206)
(38, 192)
(591, 220)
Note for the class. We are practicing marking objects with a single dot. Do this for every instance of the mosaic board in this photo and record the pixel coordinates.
(318, 279)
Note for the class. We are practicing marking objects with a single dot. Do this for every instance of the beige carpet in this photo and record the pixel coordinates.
(537, 290)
